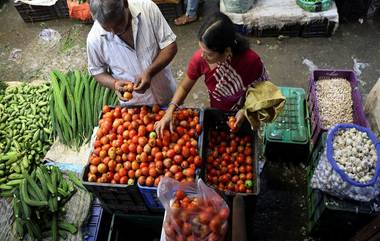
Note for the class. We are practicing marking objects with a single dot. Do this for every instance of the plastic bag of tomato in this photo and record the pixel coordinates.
(127, 155)
(194, 211)
(230, 157)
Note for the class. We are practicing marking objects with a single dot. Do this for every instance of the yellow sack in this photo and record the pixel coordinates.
(263, 103)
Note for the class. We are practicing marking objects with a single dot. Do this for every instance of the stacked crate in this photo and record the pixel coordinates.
(33, 13)
(326, 212)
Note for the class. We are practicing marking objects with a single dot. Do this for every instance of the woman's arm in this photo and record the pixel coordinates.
(179, 96)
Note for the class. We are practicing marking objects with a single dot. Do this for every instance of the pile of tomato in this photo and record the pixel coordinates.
(192, 218)
(127, 149)
(230, 162)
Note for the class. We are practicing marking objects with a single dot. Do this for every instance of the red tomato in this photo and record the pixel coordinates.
(131, 156)
(145, 171)
(150, 127)
(135, 165)
(122, 172)
(132, 147)
(185, 152)
(184, 164)
(154, 151)
(174, 169)
(124, 180)
(116, 177)
(152, 172)
(189, 172)
(125, 148)
(178, 176)
(157, 181)
(178, 159)
(131, 174)
(149, 181)
(171, 153)
(111, 165)
(141, 180)
(106, 109)
(242, 188)
(142, 140)
(197, 161)
(158, 156)
(141, 131)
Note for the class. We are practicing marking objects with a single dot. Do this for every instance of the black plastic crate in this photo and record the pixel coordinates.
(171, 11)
(32, 13)
(243, 29)
(96, 228)
(116, 198)
(323, 28)
(135, 227)
(291, 30)
(214, 118)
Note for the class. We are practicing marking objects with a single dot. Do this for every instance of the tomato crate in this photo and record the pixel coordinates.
(150, 193)
(217, 120)
(33, 13)
(116, 198)
(358, 111)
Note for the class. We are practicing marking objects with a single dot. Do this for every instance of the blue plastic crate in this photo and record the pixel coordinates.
(149, 194)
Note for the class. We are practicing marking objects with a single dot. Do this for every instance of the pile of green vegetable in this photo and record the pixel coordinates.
(38, 203)
(77, 101)
(25, 129)
(3, 85)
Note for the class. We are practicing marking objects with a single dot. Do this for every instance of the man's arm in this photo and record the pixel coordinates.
(106, 80)
(164, 57)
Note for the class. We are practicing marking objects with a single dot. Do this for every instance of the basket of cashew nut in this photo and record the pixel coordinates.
(350, 164)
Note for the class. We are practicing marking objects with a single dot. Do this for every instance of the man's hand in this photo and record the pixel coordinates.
(120, 88)
(143, 82)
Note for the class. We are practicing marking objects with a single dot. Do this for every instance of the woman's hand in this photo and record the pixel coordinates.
(166, 120)
(239, 119)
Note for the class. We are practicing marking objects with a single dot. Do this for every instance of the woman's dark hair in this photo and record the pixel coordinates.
(217, 32)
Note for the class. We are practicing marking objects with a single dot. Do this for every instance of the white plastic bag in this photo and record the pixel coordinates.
(331, 178)
(194, 211)
(238, 6)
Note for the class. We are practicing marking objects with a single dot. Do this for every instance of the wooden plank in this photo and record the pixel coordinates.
(371, 232)
(239, 232)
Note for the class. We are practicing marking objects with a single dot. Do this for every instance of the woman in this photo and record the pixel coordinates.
(228, 65)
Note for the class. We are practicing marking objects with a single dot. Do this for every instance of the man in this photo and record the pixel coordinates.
(131, 41)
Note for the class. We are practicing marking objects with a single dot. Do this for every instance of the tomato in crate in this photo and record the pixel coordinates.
(230, 158)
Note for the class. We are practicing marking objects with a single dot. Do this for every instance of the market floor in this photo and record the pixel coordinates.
(281, 212)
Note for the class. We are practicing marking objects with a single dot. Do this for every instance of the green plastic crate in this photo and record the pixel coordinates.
(292, 125)
(314, 5)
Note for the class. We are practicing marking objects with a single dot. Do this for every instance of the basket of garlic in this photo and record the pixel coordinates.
(350, 164)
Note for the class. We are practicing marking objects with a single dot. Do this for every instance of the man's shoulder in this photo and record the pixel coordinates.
(95, 33)
(142, 5)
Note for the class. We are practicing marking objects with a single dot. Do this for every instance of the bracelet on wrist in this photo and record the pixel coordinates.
(172, 103)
